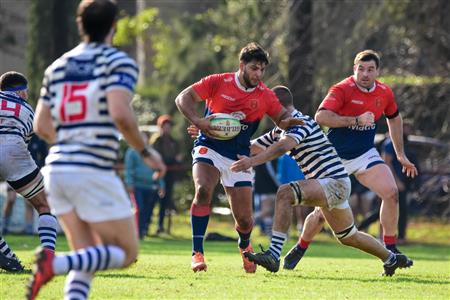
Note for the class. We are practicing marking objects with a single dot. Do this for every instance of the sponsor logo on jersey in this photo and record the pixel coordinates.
(228, 79)
(203, 150)
(228, 97)
(240, 115)
(363, 127)
(359, 102)
(378, 101)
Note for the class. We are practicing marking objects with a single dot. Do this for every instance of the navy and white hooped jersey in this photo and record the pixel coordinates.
(314, 153)
(75, 88)
(16, 116)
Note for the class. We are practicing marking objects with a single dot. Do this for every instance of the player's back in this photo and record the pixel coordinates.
(75, 87)
(16, 118)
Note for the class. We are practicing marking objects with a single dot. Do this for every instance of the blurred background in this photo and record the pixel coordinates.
(311, 43)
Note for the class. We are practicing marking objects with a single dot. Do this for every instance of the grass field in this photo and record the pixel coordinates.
(329, 271)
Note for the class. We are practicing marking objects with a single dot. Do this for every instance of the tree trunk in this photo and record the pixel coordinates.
(300, 55)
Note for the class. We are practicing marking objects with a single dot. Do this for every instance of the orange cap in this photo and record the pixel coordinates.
(163, 119)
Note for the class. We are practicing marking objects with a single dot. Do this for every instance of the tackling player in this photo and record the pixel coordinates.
(326, 185)
(84, 104)
(243, 95)
(17, 166)
(350, 110)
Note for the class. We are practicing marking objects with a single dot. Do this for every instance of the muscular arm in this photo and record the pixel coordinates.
(185, 102)
(331, 119)
(43, 124)
(396, 132)
(273, 151)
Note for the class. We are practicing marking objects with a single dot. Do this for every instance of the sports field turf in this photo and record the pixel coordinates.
(329, 271)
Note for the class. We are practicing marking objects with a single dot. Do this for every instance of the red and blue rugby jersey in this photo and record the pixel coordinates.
(347, 99)
(223, 93)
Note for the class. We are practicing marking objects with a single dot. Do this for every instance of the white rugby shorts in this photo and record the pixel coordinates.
(15, 159)
(228, 178)
(337, 192)
(95, 196)
(362, 162)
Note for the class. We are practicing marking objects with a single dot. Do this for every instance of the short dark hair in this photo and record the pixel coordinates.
(367, 55)
(97, 18)
(253, 51)
(13, 81)
(284, 95)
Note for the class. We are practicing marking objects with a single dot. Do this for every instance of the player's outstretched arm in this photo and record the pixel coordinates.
(273, 151)
(43, 124)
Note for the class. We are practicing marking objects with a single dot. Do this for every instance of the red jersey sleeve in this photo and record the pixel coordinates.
(273, 104)
(391, 110)
(207, 86)
(334, 100)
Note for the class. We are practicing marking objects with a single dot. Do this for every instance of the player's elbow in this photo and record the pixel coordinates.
(320, 117)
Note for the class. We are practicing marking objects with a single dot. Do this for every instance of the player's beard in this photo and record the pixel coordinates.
(247, 80)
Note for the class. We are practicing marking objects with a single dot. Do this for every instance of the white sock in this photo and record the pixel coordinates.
(47, 230)
(277, 243)
(77, 285)
(90, 259)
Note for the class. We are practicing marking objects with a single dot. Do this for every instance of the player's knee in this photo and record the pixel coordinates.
(285, 195)
(391, 194)
(203, 194)
(244, 223)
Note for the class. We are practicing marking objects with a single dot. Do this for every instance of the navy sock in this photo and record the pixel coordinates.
(199, 225)
(244, 239)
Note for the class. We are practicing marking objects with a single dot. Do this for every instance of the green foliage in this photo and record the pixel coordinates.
(413, 80)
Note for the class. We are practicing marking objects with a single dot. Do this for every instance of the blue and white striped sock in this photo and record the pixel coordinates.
(77, 285)
(90, 259)
(277, 243)
(47, 230)
(4, 248)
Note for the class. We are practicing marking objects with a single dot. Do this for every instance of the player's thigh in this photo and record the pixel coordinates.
(205, 175)
(380, 180)
(338, 219)
(78, 232)
(121, 233)
(240, 199)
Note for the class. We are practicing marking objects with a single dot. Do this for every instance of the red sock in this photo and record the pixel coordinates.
(389, 239)
(303, 244)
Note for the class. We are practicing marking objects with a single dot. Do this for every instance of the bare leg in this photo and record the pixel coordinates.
(341, 219)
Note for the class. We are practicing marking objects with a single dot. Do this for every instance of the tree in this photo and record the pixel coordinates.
(52, 32)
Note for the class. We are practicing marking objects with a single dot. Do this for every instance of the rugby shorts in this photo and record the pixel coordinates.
(95, 196)
(362, 162)
(228, 178)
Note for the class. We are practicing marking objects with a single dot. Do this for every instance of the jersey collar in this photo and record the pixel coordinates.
(240, 86)
(364, 90)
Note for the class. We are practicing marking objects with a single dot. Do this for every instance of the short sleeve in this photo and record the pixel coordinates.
(298, 133)
(123, 73)
(334, 100)
(207, 86)
(273, 104)
(391, 110)
(267, 139)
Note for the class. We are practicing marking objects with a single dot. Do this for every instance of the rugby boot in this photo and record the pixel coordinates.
(393, 249)
(198, 262)
(401, 261)
(42, 272)
(265, 259)
(249, 267)
(293, 257)
(10, 264)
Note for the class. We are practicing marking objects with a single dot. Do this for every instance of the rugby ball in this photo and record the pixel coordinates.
(225, 126)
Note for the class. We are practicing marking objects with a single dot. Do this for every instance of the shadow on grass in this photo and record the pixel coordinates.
(396, 279)
(121, 276)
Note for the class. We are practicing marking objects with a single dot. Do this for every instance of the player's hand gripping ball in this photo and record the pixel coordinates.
(225, 126)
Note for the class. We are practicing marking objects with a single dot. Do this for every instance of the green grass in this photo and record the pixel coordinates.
(329, 271)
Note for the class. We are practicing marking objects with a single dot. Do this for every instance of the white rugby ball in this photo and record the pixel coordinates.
(226, 126)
